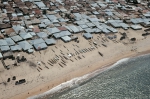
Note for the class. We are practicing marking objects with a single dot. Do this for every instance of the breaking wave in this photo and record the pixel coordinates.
(75, 82)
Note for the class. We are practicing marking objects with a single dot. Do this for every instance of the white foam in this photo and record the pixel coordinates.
(76, 81)
(121, 61)
(65, 85)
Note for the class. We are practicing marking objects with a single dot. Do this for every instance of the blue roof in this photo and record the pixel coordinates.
(25, 35)
(61, 34)
(15, 48)
(42, 34)
(3, 42)
(36, 41)
(87, 35)
(66, 38)
(40, 46)
(5, 48)
(50, 41)
(25, 45)
(53, 30)
(16, 38)
(9, 41)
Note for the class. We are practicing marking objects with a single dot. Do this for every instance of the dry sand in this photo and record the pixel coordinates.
(40, 79)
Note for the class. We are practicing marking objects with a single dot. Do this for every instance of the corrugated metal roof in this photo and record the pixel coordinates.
(66, 38)
(18, 28)
(90, 30)
(123, 25)
(65, 33)
(9, 41)
(113, 30)
(40, 4)
(116, 25)
(83, 26)
(3, 42)
(16, 38)
(96, 30)
(46, 21)
(25, 45)
(53, 30)
(25, 35)
(93, 19)
(74, 28)
(80, 22)
(52, 18)
(80, 29)
(105, 30)
(50, 41)
(87, 35)
(77, 16)
(90, 24)
(135, 21)
(136, 27)
(42, 34)
(15, 48)
(61, 34)
(5, 48)
(40, 46)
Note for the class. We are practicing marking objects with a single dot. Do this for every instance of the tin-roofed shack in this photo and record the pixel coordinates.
(7, 55)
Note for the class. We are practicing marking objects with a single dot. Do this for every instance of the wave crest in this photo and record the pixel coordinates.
(75, 81)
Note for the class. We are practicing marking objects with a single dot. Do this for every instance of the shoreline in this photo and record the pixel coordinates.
(41, 81)
(107, 65)
(47, 43)
(53, 91)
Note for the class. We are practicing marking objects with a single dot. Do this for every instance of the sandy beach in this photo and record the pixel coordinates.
(44, 43)
(70, 62)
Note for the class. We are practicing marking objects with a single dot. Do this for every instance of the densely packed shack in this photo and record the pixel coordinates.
(30, 25)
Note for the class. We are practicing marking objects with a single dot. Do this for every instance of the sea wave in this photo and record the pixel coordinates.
(62, 87)
(75, 82)
(121, 61)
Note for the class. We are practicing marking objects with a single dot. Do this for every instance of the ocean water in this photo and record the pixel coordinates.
(129, 78)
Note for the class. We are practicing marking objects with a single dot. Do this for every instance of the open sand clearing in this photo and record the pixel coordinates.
(48, 68)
